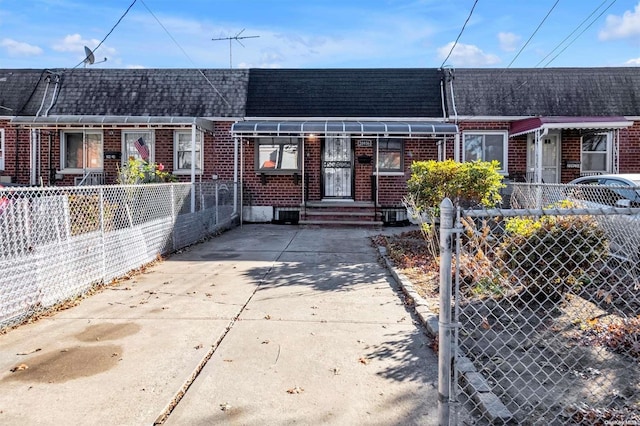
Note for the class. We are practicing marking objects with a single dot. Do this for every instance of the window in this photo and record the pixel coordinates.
(182, 154)
(595, 153)
(278, 154)
(390, 155)
(131, 149)
(2, 151)
(487, 146)
(81, 150)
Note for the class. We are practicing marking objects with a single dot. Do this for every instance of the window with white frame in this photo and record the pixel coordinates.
(183, 153)
(486, 146)
(390, 155)
(277, 154)
(81, 150)
(137, 144)
(595, 153)
(2, 151)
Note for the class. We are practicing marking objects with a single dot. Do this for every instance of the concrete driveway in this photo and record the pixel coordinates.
(262, 325)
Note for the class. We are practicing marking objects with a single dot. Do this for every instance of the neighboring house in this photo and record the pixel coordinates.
(548, 125)
(315, 146)
(81, 125)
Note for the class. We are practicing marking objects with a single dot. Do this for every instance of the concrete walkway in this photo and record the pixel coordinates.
(263, 325)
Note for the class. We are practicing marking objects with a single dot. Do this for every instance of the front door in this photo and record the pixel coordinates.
(550, 158)
(337, 168)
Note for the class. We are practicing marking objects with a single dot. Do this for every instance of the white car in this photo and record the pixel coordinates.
(614, 190)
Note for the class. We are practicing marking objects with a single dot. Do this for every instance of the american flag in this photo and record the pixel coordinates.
(142, 148)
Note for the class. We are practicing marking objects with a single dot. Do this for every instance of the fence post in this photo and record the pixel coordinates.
(444, 326)
(103, 236)
(173, 215)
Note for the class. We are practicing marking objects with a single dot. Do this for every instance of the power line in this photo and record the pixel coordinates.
(572, 32)
(109, 33)
(581, 32)
(534, 33)
(185, 54)
(455, 43)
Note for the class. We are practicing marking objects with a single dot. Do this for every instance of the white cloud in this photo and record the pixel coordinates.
(633, 62)
(16, 48)
(467, 55)
(623, 26)
(74, 43)
(508, 41)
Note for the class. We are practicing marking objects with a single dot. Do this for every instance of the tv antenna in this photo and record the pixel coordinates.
(237, 38)
(89, 58)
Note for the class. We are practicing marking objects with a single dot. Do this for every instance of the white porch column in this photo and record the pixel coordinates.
(456, 148)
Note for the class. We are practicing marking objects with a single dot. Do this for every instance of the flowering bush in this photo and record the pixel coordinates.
(139, 171)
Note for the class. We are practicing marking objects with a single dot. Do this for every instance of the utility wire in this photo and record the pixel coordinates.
(109, 33)
(534, 33)
(185, 53)
(572, 33)
(455, 43)
(581, 32)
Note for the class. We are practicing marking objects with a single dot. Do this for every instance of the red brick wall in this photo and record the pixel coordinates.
(630, 149)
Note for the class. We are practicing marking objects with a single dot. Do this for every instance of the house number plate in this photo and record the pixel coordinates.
(336, 164)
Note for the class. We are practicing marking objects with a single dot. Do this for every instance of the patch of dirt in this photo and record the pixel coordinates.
(575, 360)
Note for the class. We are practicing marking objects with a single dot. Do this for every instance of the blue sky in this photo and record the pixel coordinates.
(319, 33)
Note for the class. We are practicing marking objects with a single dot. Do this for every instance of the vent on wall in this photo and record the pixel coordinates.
(286, 216)
(395, 217)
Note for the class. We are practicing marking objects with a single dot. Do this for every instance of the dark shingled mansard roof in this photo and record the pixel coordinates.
(546, 92)
(16, 86)
(142, 92)
(391, 93)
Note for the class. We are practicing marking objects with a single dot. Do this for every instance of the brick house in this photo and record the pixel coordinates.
(313, 146)
(548, 125)
(71, 126)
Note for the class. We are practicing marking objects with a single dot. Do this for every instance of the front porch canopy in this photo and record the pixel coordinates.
(353, 127)
(531, 125)
(64, 121)
(540, 127)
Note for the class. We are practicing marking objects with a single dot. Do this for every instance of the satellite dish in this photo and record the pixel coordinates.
(88, 56)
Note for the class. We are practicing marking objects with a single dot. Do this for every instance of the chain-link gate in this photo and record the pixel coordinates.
(545, 317)
(58, 242)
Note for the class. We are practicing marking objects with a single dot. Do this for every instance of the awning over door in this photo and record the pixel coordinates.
(530, 125)
(386, 128)
(110, 121)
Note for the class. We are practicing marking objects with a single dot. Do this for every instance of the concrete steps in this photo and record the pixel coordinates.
(340, 213)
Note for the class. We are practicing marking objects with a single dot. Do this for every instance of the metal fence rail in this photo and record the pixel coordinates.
(58, 242)
(547, 309)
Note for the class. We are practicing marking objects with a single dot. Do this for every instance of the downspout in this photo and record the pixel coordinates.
(377, 173)
(33, 175)
(53, 97)
(304, 142)
(17, 162)
(52, 172)
(235, 175)
(241, 182)
(193, 168)
(456, 148)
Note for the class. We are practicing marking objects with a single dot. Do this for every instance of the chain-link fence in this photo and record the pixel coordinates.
(545, 318)
(58, 242)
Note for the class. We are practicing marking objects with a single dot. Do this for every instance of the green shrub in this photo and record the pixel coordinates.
(551, 252)
(469, 184)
